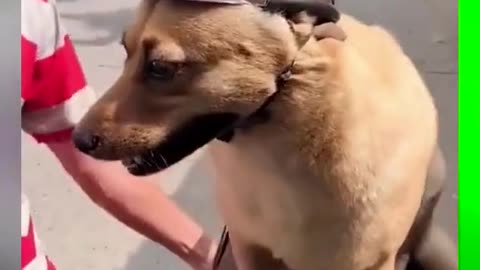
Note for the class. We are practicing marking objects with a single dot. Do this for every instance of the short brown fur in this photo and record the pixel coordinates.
(335, 179)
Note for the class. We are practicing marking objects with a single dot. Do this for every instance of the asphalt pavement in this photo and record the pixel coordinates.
(80, 236)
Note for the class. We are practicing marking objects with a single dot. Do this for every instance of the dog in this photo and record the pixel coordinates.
(326, 165)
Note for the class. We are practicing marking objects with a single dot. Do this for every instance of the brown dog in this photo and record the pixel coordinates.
(427, 246)
(334, 176)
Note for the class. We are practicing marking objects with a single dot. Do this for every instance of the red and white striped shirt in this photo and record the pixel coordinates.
(54, 97)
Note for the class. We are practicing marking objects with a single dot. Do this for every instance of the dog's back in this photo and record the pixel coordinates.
(334, 180)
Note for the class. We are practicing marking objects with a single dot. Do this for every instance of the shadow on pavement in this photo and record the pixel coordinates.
(151, 256)
(196, 198)
(111, 23)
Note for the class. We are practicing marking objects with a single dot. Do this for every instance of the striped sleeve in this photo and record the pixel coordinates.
(32, 253)
(54, 92)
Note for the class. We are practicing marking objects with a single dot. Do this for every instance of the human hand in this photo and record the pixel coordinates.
(203, 254)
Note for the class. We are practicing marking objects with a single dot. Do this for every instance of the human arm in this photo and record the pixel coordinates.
(54, 97)
(138, 203)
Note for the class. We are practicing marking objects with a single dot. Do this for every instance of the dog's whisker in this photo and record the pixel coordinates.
(157, 165)
(154, 160)
(164, 160)
(150, 162)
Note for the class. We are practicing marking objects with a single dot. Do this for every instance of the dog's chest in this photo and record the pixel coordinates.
(270, 198)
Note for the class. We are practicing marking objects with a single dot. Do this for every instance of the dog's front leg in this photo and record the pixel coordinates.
(432, 248)
(249, 256)
(436, 250)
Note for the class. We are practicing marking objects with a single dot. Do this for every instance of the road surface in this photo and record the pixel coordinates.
(80, 236)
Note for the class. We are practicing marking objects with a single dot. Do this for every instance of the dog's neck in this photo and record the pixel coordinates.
(327, 16)
(296, 111)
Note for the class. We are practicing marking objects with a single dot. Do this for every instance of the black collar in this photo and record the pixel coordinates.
(260, 115)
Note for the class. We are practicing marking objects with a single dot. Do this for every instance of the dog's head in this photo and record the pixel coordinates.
(191, 70)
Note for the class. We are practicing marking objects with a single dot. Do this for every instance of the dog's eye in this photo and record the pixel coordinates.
(161, 70)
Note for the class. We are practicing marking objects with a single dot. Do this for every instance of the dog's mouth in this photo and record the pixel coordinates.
(181, 143)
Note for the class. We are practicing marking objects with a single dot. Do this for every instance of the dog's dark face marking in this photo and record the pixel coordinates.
(182, 142)
(190, 71)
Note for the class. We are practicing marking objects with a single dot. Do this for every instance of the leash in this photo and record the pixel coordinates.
(222, 248)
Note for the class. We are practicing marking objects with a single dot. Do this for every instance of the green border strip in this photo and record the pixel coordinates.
(468, 144)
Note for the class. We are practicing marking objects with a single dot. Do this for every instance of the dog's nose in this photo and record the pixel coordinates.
(85, 140)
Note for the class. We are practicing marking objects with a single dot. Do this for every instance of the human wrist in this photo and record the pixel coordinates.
(201, 255)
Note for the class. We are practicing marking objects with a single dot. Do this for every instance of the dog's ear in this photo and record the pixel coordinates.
(309, 17)
(322, 10)
(303, 26)
(329, 30)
